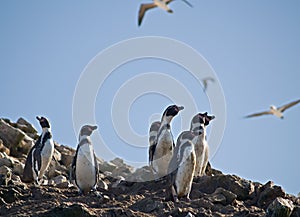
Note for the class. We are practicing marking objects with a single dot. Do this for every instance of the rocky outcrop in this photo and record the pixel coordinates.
(123, 190)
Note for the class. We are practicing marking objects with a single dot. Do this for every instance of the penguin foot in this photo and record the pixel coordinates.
(187, 198)
(175, 199)
(37, 183)
(94, 188)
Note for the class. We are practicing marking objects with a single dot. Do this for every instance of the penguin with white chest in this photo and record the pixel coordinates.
(161, 141)
(84, 165)
(40, 155)
(182, 166)
(199, 124)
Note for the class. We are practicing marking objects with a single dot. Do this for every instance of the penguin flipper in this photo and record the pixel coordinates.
(153, 139)
(37, 160)
(96, 169)
(172, 171)
(27, 172)
(73, 167)
(151, 152)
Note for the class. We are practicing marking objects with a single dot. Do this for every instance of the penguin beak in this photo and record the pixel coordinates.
(180, 108)
(94, 128)
(38, 118)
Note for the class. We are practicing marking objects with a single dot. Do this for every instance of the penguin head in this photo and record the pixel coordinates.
(43, 122)
(208, 118)
(87, 130)
(201, 120)
(171, 112)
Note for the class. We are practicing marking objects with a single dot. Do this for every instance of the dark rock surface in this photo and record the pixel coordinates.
(124, 191)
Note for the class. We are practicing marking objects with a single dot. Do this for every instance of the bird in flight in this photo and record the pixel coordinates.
(205, 82)
(278, 112)
(163, 4)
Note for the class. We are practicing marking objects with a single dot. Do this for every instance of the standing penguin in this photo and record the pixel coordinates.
(182, 166)
(84, 165)
(161, 148)
(40, 155)
(198, 126)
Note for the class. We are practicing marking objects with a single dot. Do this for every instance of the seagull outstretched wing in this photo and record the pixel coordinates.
(143, 9)
(258, 114)
(284, 107)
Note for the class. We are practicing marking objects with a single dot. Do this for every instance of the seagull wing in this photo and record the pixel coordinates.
(188, 3)
(208, 79)
(185, 1)
(258, 114)
(284, 107)
(143, 9)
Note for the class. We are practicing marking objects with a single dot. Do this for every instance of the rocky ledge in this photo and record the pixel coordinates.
(123, 190)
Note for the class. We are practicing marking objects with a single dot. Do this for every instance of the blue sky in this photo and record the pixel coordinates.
(253, 47)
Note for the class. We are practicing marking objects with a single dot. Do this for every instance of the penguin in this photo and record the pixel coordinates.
(161, 141)
(198, 126)
(40, 155)
(84, 168)
(182, 167)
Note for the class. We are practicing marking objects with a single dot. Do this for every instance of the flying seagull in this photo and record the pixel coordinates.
(205, 82)
(163, 4)
(278, 112)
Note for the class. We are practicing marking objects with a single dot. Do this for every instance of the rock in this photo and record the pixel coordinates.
(59, 179)
(16, 181)
(268, 193)
(27, 128)
(119, 179)
(146, 205)
(118, 162)
(141, 175)
(102, 184)
(222, 196)
(124, 191)
(189, 215)
(5, 160)
(14, 139)
(115, 212)
(107, 167)
(280, 208)
(66, 159)
(209, 171)
(65, 184)
(55, 169)
(5, 175)
(296, 211)
(202, 203)
(9, 195)
(124, 171)
(238, 186)
(57, 155)
(75, 210)
(18, 168)
(2, 202)
(3, 148)
(66, 154)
